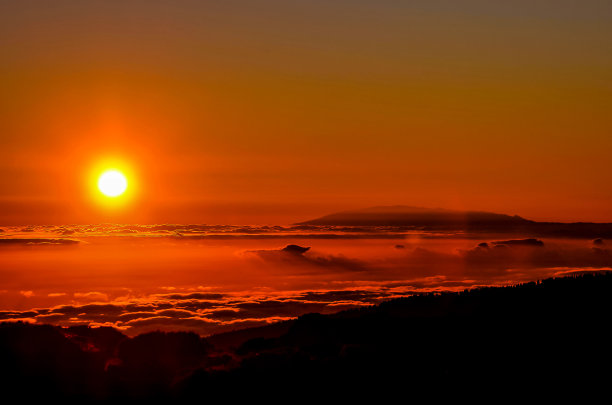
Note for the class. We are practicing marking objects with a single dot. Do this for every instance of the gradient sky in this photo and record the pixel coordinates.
(277, 111)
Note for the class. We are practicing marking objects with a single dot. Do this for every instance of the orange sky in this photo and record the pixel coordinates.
(278, 111)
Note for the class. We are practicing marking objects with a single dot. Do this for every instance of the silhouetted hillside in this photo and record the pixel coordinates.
(551, 336)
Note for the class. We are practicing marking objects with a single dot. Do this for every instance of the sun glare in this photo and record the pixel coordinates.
(112, 183)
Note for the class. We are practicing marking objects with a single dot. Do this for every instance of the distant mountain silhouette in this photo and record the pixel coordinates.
(437, 219)
(547, 337)
(416, 216)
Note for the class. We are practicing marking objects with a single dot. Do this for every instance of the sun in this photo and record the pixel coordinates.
(112, 183)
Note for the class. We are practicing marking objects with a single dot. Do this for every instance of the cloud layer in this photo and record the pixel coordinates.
(213, 279)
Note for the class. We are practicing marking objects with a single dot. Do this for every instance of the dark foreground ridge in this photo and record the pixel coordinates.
(550, 335)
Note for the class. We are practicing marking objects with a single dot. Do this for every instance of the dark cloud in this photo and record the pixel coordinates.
(175, 313)
(266, 308)
(345, 295)
(89, 309)
(519, 242)
(534, 255)
(17, 314)
(195, 305)
(37, 242)
(310, 259)
(151, 306)
(52, 318)
(225, 314)
(129, 316)
(201, 326)
(195, 296)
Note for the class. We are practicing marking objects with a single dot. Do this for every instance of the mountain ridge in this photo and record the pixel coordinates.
(402, 215)
(439, 219)
(538, 334)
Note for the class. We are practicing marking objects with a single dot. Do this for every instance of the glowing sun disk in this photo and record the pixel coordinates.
(112, 183)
